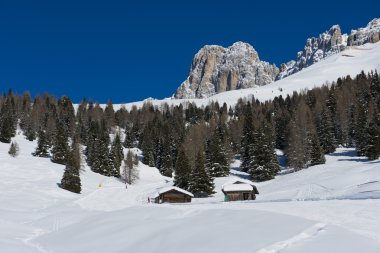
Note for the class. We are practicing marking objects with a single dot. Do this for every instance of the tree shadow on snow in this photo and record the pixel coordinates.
(350, 153)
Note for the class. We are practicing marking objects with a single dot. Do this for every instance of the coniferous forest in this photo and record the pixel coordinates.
(196, 144)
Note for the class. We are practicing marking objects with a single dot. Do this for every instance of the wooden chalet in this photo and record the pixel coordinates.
(172, 194)
(239, 189)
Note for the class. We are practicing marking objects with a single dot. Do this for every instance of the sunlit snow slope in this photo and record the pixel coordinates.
(327, 208)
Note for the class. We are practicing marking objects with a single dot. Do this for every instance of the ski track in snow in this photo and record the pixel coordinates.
(309, 233)
(29, 240)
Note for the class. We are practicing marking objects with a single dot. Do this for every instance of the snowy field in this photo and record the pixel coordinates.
(327, 208)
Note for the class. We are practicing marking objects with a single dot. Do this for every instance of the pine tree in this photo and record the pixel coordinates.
(128, 141)
(247, 141)
(201, 184)
(326, 133)
(99, 157)
(60, 149)
(71, 177)
(360, 131)
(264, 165)
(317, 155)
(183, 171)
(42, 149)
(7, 121)
(372, 149)
(216, 159)
(28, 128)
(147, 148)
(91, 141)
(117, 156)
(103, 163)
(113, 171)
(166, 166)
(14, 149)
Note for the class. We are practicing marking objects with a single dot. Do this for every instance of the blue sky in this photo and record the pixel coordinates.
(130, 51)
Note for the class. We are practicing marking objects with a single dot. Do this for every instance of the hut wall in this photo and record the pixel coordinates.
(173, 197)
(235, 196)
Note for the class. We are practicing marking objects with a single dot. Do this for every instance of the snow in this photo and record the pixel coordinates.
(326, 208)
(239, 180)
(237, 187)
(170, 188)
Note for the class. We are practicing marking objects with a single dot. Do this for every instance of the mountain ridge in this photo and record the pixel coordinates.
(216, 69)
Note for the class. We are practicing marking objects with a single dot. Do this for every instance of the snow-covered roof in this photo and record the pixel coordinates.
(169, 188)
(237, 187)
(238, 184)
(238, 181)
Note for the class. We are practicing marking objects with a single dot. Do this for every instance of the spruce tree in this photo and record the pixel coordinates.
(103, 162)
(201, 184)
(128, 141)
(60, 149)
(98, 154)
(360, 131)
(372, 149)
(326, 133)
(42, 149)
(264, 165)
(27, 127)
(117, 156)
(216, 159)
(71, 177)
(166, 167)
(247, 141)
(183, 170)
(147, 148)
(7, 121)
(317, 155)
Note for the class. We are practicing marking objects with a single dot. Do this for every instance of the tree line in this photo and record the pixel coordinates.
(196, 144)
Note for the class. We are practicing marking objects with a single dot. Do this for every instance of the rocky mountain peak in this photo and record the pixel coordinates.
(368, 34)
(216, 69)
(316, 48)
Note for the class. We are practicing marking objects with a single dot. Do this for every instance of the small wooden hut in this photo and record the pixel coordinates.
(172, 194)
(239, 189)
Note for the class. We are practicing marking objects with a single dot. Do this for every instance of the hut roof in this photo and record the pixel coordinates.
(238, 184)
(237, 187)
(170, 188)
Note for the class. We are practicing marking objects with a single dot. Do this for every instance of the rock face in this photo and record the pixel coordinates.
(328, 43)
(217, 69)
(368, 34)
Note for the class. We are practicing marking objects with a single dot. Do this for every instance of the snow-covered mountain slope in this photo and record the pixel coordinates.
(349, 62)
(331, 208)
